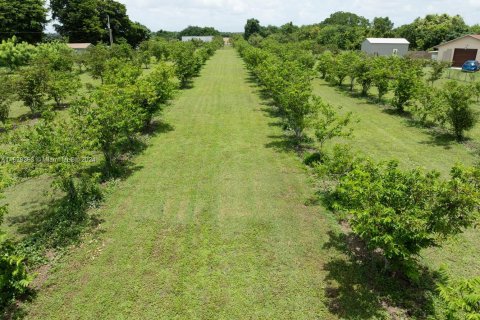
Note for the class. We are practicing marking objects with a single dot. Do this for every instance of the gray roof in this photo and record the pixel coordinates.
(388, 40)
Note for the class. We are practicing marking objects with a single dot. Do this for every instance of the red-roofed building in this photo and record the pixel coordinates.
(459, 50)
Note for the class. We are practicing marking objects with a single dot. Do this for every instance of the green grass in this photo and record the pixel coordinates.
(212, 224)
(19, 111)
(32, 195)
(459, 75)
(382, 135)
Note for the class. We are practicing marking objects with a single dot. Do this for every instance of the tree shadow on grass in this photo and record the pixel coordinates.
(273, 113)
(159, 127)
(263, 93)
(358, 288)
(44, 234)
(288, 144)
(57, 225)
(16, 310)
(251, 78)
(281, 144)
(437, 136)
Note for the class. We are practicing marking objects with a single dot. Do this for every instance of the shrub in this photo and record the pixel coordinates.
(329, 124)
(335, 164)
(430, 107)
(96, 59)
(295, 99)
(122, 51)
(121, 73)
(186, 62)
(382, 74)
(462, 297)
(476, 90)
(438, 68)
(6, 97)
(355, 60)
(364, 75)
(56, 63)
(109, 122)
(58, 148)
(58, 56)
(406, 86)
(459, 113)
(61, 85)
(342, 66)
(14, 55)
(154, 90)
(32, 87)
(402, 212)
(325, 64)
(14, 278)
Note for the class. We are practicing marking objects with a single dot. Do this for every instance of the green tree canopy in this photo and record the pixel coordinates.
(24, 19)
(382, 27)
(253, 26)
(346, 19)
(86, 21)
(426, 33)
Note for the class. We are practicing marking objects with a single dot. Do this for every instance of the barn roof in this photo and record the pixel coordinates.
(79, 45)
(474, 36)
(388, 40)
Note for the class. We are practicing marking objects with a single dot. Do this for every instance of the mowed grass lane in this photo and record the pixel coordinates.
(212, 224)
(384, 136)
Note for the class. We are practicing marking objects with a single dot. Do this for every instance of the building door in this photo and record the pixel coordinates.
(462, 55)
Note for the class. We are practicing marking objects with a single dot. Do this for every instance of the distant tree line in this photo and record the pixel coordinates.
(346, 31)
(191, 31)
(198, 31)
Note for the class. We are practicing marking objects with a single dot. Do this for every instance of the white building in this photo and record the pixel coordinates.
(201, 38)
(385, 46)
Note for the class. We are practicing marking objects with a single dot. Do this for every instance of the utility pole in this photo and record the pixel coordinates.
(110, 30)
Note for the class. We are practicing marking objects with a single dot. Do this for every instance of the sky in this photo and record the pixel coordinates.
(231, 15)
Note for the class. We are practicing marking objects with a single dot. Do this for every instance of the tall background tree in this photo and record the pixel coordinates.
(346, 19)
(86, 21)
(24, 19)
(343, 30)
(253, 26)
(425, 33)
(382, 27)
